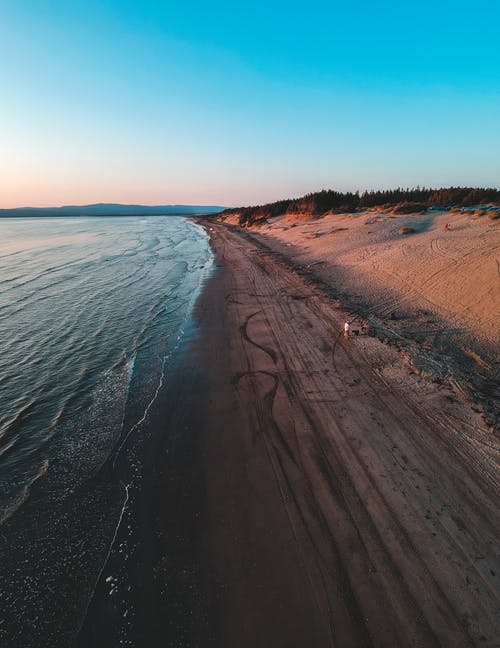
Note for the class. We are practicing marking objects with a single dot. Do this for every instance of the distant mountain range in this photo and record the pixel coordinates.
(110, 209)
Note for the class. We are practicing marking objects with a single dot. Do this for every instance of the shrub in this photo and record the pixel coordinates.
(409, 208)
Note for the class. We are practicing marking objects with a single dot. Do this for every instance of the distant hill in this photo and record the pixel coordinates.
(109, 209)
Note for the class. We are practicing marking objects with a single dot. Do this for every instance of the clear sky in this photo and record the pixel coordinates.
(230, 103)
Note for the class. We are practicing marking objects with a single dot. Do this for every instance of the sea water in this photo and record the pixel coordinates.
(90, 309)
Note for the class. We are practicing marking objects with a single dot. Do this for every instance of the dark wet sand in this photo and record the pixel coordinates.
(154, 590)
(299, 489)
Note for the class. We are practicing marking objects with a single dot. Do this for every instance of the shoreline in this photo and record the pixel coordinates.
(55, 547)
(294, 488)
(339, 498)
(152, 590)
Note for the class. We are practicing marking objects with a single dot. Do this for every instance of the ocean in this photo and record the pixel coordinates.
(92, 310)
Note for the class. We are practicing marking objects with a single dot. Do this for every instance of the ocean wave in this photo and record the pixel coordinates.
(18, 499)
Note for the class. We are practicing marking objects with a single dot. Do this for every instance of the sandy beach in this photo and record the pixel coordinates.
(351, 500)
(250, 325)
(302, 489)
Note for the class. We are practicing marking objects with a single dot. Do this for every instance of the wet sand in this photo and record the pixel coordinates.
(154, 589)
(300, 489)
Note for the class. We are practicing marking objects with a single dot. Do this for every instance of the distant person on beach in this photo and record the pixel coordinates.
(447, 227)
(347, 328)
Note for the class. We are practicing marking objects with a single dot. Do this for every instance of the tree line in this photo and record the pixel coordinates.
(322, 202)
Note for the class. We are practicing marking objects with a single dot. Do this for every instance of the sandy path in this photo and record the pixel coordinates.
(350, 502)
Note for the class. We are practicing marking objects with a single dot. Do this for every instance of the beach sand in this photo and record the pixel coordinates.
(452, 272)
(435, 293)
(303, 489)
(351, 501)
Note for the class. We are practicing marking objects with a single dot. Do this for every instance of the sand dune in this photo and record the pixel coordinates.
(434, 292)
(454, 273)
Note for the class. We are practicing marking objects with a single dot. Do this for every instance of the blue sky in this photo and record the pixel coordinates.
(224, 103)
